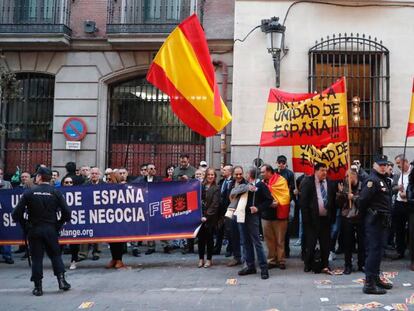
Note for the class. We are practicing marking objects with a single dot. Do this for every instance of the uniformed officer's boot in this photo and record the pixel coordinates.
(62, 282)
(37, 291)
(382, 283)
(371, 288)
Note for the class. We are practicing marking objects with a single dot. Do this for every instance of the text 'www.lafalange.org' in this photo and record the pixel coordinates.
(76, 233)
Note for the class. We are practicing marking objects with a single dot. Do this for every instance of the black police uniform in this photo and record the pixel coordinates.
(375, 203)
(42, 227)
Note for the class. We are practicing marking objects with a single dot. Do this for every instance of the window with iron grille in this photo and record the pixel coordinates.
(143, 129)
(365, 64)
(28, 123)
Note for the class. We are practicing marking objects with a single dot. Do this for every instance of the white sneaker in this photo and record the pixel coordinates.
(72, 265)
(332, 256)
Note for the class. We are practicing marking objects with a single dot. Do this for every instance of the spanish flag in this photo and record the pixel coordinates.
(306, 119)
(410, 126)
(279, 189)
(334, 155)
(183, 70)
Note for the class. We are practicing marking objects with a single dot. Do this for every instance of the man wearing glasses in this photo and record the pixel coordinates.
(375, 202)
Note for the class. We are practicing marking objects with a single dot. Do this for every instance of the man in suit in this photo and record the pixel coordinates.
(317, 201)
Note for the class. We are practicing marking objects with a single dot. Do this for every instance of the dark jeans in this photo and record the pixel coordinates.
(43, 238)
(314, 234)
(249, 234)
(205, 239)
(375, 235)
(74, 250)
(235, 238)
(411, 238)
(350, 229)
(400, 219)
(219, 231)
(117, 250)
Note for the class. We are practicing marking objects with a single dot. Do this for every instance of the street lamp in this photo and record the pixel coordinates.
(356, 108)
(275, 33)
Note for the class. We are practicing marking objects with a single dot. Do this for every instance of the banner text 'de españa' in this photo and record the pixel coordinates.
(334, 155)
(318, 119)
(117, 212)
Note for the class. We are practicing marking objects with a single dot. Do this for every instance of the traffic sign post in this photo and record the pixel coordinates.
(74, 129)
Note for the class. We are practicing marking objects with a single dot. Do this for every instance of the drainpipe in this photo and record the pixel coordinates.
(223, 134)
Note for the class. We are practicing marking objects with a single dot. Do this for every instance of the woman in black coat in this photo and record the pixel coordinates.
(210, 205)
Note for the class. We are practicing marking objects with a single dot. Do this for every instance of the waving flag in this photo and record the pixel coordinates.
(183, 70)
(334, 155)
(279, 189)
(306, 119)
(410, 126)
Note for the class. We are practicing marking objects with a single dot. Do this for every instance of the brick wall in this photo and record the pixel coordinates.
(95, 10)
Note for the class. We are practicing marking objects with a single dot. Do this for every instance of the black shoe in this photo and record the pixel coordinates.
(9, 261)
(167, 250)
(228, 254)
(361, 269)
(371, 289)
(37, 290)
(63, 285)
(272, 265)
(307, 269)
(135, 252)
(246, 271)
(149, 251)
(348, 270)
(264, 274)
(382, 284)
(95, 257)
(282, 266)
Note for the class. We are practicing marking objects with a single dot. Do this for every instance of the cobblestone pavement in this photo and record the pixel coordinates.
(173, 282)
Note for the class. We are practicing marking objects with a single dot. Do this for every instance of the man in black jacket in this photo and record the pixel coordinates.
(317, 202)
(43, 202)
(259, 199)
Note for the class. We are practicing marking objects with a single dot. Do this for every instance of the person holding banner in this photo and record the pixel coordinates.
(351, 219)
(210, 203)
(117, 249)
(317, 201)
(43, 202)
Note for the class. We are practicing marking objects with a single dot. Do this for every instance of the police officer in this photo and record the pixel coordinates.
(375, 203)
(43, 202)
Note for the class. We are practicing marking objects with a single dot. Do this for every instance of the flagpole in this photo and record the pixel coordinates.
(349, 146)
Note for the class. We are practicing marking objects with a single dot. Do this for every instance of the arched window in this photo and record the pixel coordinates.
(142, 128)
(365, 63)
(28, 124)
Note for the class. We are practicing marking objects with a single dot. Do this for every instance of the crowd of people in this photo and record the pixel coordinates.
(364, 213)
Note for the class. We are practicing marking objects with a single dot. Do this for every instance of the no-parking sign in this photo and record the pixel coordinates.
(74, 129)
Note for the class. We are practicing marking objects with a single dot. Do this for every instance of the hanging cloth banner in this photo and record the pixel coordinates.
(306, 119)
(118, 213)
(334, 155)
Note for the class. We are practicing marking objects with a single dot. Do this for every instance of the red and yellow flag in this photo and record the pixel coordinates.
(183, 70)
(334, 155)
(410, 125)
(306, 119)
(279, 189)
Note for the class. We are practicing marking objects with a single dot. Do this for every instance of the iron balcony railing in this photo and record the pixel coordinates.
(147, 16)
(42, 16)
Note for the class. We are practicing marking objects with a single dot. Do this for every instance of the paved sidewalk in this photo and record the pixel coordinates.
(173, 282)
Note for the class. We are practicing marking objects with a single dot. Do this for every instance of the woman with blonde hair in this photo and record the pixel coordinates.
(210, 206)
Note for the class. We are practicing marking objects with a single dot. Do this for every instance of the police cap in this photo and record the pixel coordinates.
(381, 159)
(44, 171)
(281, 158)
